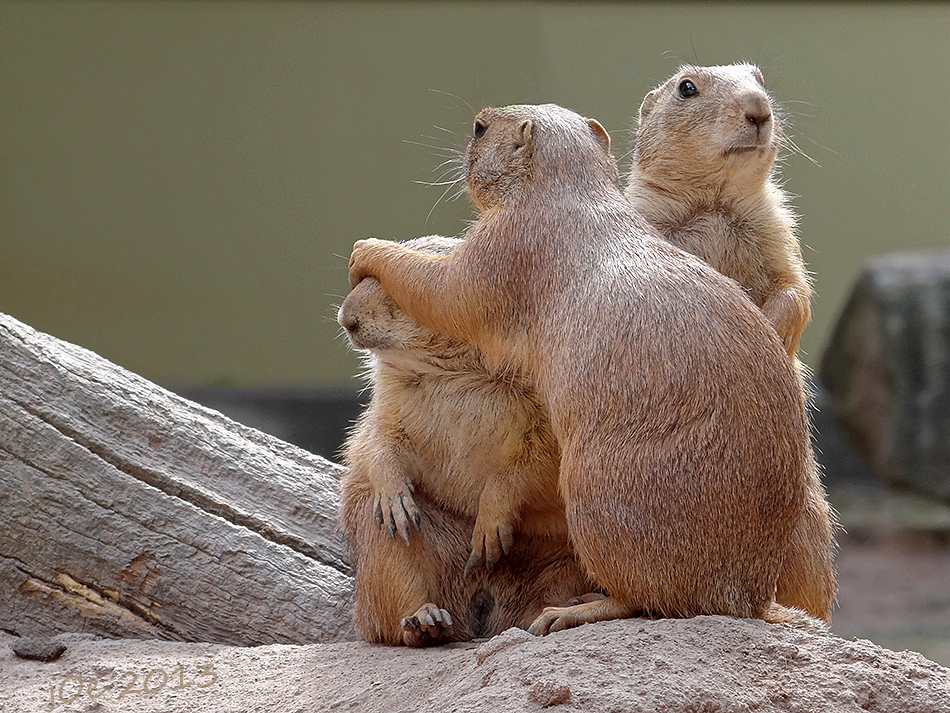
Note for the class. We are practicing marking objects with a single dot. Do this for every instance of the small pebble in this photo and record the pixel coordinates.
(38, 649)
(549, 693)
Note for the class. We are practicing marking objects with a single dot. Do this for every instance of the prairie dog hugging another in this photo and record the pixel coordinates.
(680, 420)
(436, 366)
(702, 175)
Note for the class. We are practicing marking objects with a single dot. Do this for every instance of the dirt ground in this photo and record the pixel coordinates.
(701, 665)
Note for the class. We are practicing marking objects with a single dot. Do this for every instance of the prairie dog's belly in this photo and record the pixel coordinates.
(464, 432)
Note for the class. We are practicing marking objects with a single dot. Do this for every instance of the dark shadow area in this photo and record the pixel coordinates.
(315, 419)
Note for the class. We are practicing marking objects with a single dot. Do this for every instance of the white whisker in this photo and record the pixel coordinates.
(456, 97)
(438, 183)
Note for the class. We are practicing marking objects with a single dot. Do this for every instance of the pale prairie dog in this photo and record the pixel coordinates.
(703, 175)
(467, 443)
(680, 420)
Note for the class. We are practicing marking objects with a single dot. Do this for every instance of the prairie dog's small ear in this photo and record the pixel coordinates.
(649, 101)
(600, 133)
(524, 132)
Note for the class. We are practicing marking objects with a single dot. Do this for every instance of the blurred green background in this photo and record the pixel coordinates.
(181, 182)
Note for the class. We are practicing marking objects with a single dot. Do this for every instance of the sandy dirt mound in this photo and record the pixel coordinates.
(702, 665)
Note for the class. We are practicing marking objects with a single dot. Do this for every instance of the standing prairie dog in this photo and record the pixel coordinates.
(702, 175)
(680, 420)
(475, 448)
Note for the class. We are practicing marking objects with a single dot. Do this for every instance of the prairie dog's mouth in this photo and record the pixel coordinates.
(746, 149)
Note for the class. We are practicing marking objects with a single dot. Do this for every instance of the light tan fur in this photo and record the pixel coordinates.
(703, 175)
(471, 443)
(680, 420)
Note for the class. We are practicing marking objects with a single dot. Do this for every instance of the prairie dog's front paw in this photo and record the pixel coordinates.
(361, 259)
(788, 315)
(395, 510)
(491, 540)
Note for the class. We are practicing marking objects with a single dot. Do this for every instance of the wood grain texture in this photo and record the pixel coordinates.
(128, 511)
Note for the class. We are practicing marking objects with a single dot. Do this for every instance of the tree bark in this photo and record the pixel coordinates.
(128, 511)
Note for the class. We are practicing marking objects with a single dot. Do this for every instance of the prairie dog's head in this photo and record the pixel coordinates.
(515, 147)
(708, 124)
(373, 322)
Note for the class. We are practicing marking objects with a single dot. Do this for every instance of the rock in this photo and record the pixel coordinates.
(129, 511)
(887, 368)
(38, 649)
(837, 456)
(711, 663)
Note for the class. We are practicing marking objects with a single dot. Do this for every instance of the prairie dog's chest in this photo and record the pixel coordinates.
(465, 429)
(731, 245)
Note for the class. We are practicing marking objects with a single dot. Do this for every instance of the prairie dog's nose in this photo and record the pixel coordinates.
(345, 317)
(757, 109)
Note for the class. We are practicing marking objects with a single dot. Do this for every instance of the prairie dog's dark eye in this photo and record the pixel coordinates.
(480, 127)
(688, 89)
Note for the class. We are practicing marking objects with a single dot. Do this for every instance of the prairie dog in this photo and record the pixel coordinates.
(475, 449)
(648, 361)
(439, 390)
(703, 176)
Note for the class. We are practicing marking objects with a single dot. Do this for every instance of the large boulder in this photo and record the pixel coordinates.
(887, 368)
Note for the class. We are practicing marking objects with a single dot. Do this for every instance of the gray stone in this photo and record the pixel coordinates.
(37, 649)
(887, 369)
(839, 460)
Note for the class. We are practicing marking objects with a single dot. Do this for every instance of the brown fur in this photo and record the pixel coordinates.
(395, 582)
(470, 443)
(681, 422)
(702, 175)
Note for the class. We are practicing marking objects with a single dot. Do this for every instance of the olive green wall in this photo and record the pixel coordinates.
(181, 182)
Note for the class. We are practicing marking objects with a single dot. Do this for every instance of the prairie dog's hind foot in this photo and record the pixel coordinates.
(429, 626)
(559, 618)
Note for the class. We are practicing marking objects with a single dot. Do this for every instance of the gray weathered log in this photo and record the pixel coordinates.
(128, 511)
(887, 368)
